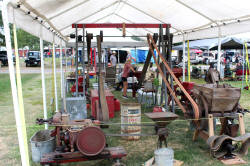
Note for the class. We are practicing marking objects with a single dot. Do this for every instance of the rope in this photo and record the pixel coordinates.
(117, 124)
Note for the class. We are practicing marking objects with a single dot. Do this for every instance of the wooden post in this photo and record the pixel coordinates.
(242, 125)
(210, 125)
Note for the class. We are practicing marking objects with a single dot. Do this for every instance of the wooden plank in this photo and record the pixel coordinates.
(210, 125)
(146, 64)
(103, 102)
(242, 125)
(151, 161)
(236, 161)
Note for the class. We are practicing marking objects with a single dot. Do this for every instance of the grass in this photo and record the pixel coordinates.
(180, 137)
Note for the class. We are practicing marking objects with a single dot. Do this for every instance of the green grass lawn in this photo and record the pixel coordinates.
(180, 137)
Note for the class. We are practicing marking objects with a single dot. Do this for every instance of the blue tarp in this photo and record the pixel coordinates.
(141, 55)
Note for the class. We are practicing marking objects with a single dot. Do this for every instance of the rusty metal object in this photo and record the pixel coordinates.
(219, 98)
(193, 103)
(91, 141)
(68, 157)
(78, 140)
(222, 145)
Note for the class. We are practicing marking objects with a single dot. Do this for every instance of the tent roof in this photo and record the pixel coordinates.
(212, 44)
(193, 19)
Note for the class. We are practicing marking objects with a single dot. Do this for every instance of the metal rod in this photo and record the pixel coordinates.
(170, 39)
(45, 114)
(243, 67)
(20, 132)
(184, 59)
(219, 50)
(54, 65)
(83, 61)
(164, 72)
(61, 68)
(119, 25)
(122, 36)
(76, 61)
(158, 60)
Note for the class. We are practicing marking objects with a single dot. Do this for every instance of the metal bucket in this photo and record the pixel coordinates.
(164, 156)
(41, 143)
(130, 114)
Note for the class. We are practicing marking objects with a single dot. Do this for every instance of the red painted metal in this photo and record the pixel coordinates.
(239, 72)
(188, 86)
(91, 55)
(69, 157)
(91, 141)
(110, 102)
(117, 105)
(80, 88)
(157, 109)
(120, 25)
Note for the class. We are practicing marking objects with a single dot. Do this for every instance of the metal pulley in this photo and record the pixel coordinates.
(91, 141)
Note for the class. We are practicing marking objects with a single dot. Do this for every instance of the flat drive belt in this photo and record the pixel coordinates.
(217, 150)
(129, 135)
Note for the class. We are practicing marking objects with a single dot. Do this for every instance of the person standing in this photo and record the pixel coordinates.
(113, 59)
(125, 74)
(130, 56)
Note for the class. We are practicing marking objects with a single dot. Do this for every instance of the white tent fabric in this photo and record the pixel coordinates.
(196, 19)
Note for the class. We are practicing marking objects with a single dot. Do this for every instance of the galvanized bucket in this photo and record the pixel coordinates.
(41, 143)
(164, 157)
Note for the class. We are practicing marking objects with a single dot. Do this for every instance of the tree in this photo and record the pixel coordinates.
(23, 38)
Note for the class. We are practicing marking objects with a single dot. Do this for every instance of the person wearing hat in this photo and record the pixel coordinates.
(113, 59)
(125, 74)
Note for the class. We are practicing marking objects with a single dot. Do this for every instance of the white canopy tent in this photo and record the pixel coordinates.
(195, 18)
(51, 20)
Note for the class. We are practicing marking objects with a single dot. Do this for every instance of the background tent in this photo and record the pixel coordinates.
(212, 44)
(190, 19)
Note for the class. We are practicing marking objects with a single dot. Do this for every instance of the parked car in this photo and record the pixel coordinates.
(4, 58)
(33, 58)
(208, 58)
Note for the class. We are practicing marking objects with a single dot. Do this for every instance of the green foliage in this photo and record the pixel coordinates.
(156, 82)
(23, 38)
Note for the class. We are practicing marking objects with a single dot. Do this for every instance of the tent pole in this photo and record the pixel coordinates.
(135, 54)
(83, 60)
(183, 58)
(188, 60)
(66, 59)
(54, 68)
(243, 67)
(219, 50)
(20, 132)
(61, 68)
(19, 87)
(45, 115)
(76, 61)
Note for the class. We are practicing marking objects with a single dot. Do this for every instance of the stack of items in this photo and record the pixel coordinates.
(110, 75)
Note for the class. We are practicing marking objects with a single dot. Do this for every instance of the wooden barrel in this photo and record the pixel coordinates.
(130, 114)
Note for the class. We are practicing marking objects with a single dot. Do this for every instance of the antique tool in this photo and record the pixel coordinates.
(161, 119)
(206, 102)
(78, 140)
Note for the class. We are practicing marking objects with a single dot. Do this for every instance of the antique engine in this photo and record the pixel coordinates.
(78, 140)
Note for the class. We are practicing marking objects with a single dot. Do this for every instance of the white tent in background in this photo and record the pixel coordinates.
(195, 18)
(52, 20)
